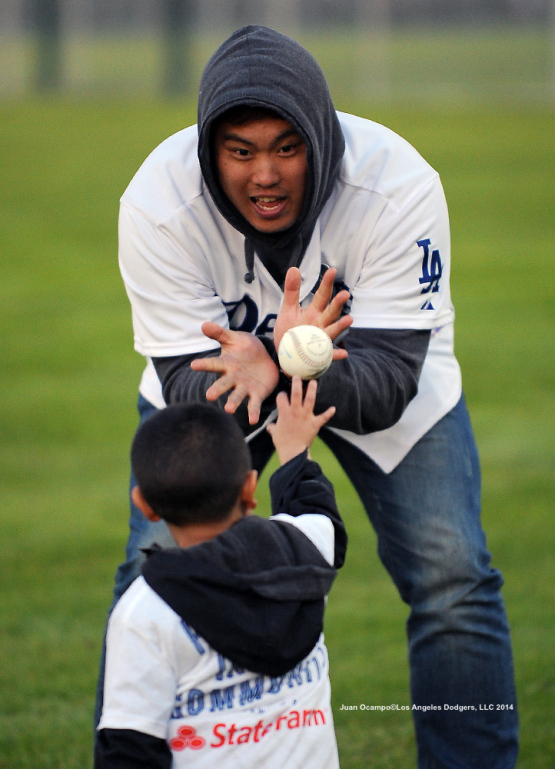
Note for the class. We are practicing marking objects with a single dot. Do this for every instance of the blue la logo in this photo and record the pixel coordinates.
(432, 271)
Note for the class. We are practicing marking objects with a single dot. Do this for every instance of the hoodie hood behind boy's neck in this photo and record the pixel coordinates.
(256, 593)
(257, 66)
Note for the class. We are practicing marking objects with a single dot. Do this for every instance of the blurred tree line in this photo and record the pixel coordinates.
(132, 14)
(175, 20)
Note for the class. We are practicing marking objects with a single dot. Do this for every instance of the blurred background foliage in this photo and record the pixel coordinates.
(448, 49)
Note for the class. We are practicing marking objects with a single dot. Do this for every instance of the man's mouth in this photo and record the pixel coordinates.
(268, 204)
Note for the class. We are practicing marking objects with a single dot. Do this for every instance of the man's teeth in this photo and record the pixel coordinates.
(268, 202)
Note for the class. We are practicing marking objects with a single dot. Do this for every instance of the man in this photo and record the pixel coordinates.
(225, 227)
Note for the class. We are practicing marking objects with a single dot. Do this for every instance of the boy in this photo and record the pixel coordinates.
(215, 655)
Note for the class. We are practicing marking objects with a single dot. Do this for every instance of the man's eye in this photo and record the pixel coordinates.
(290, 149)
(242, 152)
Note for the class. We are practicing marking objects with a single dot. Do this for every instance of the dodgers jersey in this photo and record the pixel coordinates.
(163, 679)
(385, 228)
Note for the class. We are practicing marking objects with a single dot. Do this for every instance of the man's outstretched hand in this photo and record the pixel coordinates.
(323, 311)
(244, 366)
(297, 425)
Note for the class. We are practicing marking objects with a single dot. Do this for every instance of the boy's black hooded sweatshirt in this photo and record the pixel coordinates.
(256, 593)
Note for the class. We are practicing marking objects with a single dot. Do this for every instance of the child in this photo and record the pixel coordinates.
(215, 655)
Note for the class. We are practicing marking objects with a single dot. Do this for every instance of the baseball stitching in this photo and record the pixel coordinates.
(317, 365)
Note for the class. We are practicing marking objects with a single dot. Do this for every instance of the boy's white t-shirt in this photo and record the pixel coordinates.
(164, 680)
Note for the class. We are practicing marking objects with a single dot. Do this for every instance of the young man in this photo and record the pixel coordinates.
(225, 232)
(215, 656)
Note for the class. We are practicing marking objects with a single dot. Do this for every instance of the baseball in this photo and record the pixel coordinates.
(305, 351)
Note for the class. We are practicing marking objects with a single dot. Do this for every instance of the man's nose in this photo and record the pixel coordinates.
(266, 172)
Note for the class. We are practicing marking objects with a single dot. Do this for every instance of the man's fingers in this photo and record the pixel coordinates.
(292, 288)
(341, 325)
(236, 398)
(215, 365)
(216, 332)
(325, 289)
(220, 386)
(339, 354)
(334, 308)
(254, 409)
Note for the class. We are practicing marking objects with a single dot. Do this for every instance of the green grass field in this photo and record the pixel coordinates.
(68, 388)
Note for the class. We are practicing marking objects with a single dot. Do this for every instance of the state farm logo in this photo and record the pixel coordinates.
(233, 734)
(187, 737)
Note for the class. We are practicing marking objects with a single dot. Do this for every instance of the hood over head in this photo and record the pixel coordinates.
(257, 66)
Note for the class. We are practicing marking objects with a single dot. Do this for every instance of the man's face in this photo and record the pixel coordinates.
(262, 170)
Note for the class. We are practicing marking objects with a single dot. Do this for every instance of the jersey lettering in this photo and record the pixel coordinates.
(195, 702)
(177, 711)
(194, 637)
(250, 693)
(242, 315)
(431, 272)
(222, 698)
(266, 328)
(338, 285)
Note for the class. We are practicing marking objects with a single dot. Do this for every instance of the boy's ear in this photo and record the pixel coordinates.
(142, 504)
(248, 490)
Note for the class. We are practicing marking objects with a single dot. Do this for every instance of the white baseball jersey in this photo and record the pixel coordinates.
(385, 228)
(164, 680)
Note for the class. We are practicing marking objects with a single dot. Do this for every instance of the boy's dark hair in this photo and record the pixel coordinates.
(190, 462)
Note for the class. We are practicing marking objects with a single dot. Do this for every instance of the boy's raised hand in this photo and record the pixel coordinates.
(297, 425)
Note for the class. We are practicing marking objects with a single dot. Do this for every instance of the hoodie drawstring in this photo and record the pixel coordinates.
(294, 260)
(249, 260)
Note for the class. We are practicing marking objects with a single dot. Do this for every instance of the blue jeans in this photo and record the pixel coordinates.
(426, 514)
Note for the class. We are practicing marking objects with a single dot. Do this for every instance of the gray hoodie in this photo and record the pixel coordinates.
(259, 67)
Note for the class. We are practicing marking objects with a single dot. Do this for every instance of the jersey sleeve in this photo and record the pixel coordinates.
(403, 282)
(171, 294)
(140, 682)
(317, 528)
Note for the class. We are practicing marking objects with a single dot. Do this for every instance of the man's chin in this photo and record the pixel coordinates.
(272, 230)
(270, 226)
